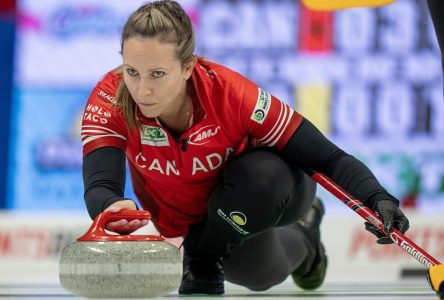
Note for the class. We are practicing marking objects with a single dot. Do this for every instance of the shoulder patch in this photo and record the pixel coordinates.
(262, 107)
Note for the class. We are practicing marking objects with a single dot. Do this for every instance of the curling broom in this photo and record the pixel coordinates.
(435, 273)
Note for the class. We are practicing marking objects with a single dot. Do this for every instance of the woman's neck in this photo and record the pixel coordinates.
(181, 119)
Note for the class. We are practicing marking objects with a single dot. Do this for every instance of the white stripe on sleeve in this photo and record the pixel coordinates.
(283, 129)
(91, 132)
(279, 127)
(275, 124)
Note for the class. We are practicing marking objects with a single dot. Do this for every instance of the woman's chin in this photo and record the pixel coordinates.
(149, 113)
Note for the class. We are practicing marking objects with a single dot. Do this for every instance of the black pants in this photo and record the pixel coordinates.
(252, 215)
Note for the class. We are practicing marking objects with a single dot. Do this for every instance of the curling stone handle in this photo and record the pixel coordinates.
(97, 230)
(127, 214)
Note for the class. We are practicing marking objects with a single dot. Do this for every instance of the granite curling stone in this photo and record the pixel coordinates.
(100, 265)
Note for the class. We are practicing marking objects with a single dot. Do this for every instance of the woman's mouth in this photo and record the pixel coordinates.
(147, 104)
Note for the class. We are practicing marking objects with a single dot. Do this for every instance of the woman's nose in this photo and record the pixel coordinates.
(145, 90)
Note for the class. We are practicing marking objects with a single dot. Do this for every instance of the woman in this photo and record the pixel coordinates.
(187, 127)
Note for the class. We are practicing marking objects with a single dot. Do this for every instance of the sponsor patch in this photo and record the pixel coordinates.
(236, 219)
(153, 136)
(96, 114)
(262, 107)
(104, 96)
(203, 135)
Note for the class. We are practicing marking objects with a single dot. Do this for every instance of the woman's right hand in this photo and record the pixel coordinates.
(123, 226)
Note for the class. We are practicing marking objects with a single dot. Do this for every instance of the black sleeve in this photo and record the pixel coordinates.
(103, 178)
(308, 147)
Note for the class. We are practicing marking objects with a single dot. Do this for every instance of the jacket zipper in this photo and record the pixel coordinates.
(180, 146)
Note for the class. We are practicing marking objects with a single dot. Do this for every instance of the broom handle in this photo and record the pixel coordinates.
(396, 236)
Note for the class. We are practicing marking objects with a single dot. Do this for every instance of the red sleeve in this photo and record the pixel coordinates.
(264, 117)
(103, 124)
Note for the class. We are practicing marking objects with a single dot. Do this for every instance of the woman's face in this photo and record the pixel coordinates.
(154, 75)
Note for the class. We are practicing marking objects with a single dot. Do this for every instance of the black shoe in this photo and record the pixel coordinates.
(310, 224)
(202, 275)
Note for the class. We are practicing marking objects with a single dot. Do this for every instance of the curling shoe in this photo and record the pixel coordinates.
(312, 276)
(202, 275)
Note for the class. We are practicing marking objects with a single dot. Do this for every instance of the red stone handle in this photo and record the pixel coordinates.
(97, 233)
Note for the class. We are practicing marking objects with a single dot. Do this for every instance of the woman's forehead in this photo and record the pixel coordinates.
(140, 50)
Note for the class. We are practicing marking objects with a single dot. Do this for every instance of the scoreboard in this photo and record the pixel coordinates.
(369, 78)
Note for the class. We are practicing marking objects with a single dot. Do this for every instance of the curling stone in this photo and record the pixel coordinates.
(100, 265)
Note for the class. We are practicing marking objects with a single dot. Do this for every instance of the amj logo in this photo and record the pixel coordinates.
(202, 136)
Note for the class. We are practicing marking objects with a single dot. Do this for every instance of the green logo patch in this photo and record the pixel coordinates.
(262, 107)
(153, 136)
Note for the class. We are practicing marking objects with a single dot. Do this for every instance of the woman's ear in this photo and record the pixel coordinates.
(188, 67)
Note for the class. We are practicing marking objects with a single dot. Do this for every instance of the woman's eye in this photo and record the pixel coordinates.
(158, 74)
(131, 72)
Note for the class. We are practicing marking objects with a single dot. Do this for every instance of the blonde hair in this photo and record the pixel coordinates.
(167, 21)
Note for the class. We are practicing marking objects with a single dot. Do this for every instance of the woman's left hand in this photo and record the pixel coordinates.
(392, 216)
